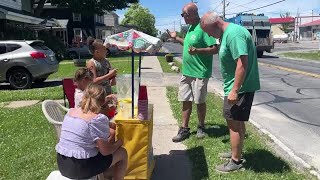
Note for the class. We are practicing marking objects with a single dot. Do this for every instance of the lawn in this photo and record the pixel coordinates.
(123, 63)
(165, 67)
(32, 94)
(313, 55)
(27, 144)
(261, 162)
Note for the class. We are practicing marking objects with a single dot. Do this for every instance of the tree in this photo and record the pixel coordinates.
(86, 7)
(285, 27)
(142, 18)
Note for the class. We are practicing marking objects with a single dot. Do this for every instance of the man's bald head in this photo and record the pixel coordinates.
(190, 8)
(210, 18)
(190, 13)
(212, 24)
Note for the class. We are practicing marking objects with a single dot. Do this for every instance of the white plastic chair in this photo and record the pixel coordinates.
(56, 175)
(54, 112)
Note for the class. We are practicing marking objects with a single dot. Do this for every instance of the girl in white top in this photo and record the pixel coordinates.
(82, 78)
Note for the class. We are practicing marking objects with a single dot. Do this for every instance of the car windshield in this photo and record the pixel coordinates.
(39, 46)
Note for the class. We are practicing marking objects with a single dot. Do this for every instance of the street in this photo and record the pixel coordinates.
(287, 104)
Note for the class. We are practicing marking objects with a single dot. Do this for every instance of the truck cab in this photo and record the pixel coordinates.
(260, 29)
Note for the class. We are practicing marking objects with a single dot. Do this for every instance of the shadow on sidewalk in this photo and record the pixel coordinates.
(176, 165)
(200, 166)
(260, 161)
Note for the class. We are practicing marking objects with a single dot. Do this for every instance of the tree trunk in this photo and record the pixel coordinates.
(38, 10)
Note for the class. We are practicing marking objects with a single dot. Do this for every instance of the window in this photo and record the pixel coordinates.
(12, 47)
(76, 16)
(39, 46)
(3, 48)
(99, 19)
(77, 33)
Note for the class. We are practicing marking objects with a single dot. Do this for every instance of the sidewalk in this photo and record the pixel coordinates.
(171, 159)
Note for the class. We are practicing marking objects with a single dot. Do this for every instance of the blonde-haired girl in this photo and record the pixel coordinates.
(84, 150)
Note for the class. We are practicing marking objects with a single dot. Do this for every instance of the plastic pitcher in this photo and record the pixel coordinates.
(124, 93)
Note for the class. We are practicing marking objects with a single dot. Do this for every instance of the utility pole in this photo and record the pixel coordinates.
(224, 9)
(312, 15)
(296, 27)
(174, 26)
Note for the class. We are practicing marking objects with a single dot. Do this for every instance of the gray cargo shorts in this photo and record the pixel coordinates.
(193, 89)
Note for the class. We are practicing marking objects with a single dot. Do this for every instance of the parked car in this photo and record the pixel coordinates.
(24, 62)
(74, 52)
(83, 50)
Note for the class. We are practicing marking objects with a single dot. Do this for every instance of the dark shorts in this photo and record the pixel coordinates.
(241, 110)
(83, 168)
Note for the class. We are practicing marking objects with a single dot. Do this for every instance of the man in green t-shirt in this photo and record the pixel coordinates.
(198, 49)
(239, 68)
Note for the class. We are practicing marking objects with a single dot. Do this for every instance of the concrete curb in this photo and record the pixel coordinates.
(298, 59)
(24, 103)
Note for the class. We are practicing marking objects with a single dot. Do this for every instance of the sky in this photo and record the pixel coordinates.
(167, 12)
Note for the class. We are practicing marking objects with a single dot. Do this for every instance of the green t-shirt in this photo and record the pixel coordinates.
(237, 41)
(198, 65)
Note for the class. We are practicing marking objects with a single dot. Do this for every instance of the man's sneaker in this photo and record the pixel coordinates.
(200, 132)
(228, 155)
(229, 166)
(183, 134)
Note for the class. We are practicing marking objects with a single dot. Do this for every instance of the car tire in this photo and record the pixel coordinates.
(108, 52)
(20, 78)
(260, 54)
(73, 55)
(41, 80)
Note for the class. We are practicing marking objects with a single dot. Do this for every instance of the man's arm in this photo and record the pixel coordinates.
(180, 40)
(209, 50)
(240, 74)
(174, 36)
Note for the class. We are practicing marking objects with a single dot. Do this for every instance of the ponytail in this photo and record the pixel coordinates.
(93, 99)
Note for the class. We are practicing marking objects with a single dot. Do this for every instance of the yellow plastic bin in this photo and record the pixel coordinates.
(137, 139)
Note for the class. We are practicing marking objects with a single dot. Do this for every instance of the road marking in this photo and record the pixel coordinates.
(291, 70)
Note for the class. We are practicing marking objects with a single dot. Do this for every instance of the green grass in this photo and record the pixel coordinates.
(313, 55)
(164, 64)
(27, 143)
(261, 163)
(32, 94)
(67, 70)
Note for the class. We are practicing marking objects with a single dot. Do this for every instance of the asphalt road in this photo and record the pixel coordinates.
(288, 104)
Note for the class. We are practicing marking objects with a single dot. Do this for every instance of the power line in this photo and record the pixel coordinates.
(258, 7)
(217, 6)
(242, 5)
(164, 24)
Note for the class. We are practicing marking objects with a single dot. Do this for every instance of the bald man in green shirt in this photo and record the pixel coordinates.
(198, 49)
(239, 69)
